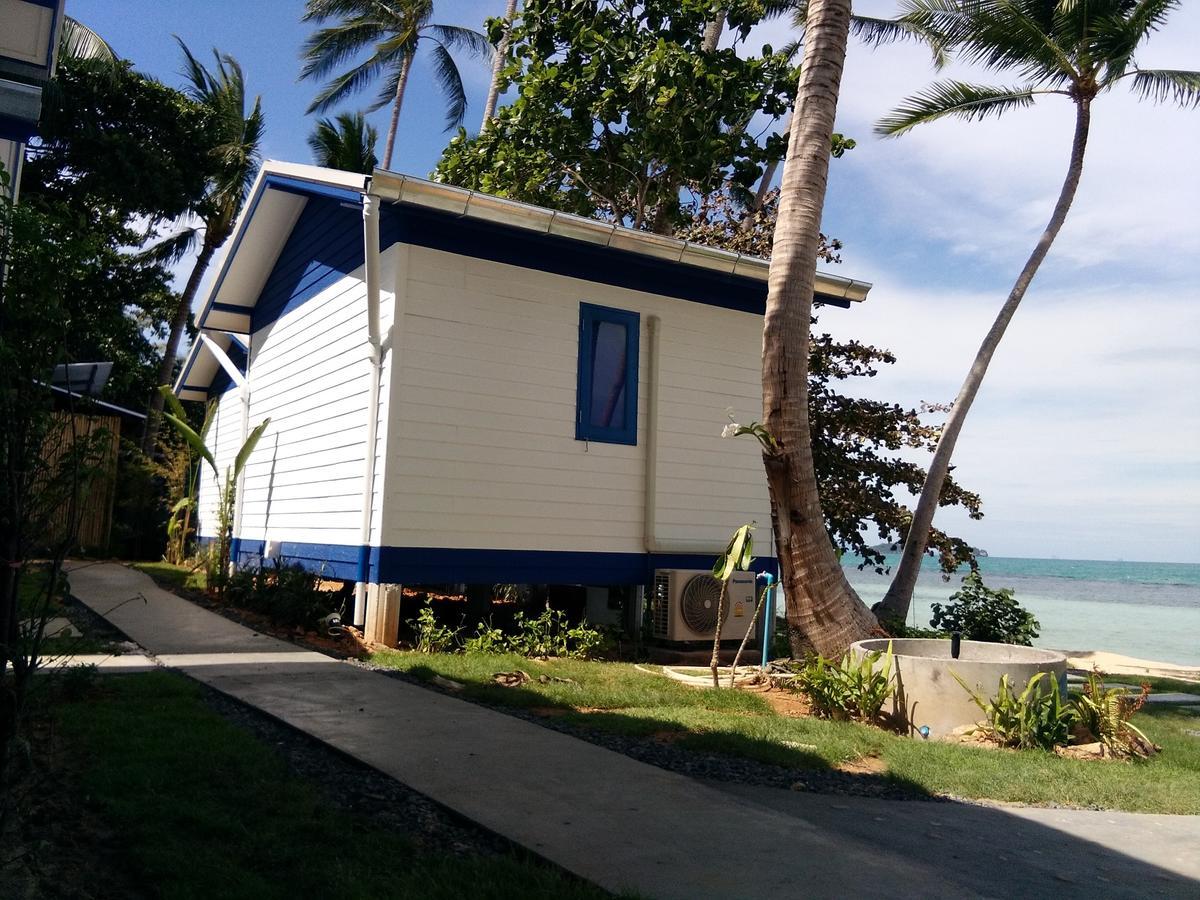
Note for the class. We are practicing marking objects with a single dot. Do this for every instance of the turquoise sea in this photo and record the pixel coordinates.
(1148, 610)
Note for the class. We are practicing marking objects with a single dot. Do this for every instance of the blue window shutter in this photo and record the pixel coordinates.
(607, 388)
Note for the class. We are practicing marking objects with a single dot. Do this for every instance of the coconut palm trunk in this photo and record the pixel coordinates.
(401, 84)
(824, 612)
(493, 94)
(166, 369)
(898, 598)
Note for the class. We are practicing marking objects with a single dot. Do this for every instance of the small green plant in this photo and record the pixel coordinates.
(431, 635)
(851, 689)
(289, 596)
(980, 613)
(541, 636)
(1103, 715)
(487, 639)
(227, 505)
(1038, 717)
(584, 641)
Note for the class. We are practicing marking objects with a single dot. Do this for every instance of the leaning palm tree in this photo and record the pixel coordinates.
(393, 32)
(235, 159)
(1076, 49)
(821, 605)
(347, 143)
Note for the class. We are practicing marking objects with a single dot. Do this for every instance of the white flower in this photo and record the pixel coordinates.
(730, 430)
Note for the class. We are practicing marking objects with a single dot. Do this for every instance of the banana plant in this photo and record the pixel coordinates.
(228, 496)
(737, 557)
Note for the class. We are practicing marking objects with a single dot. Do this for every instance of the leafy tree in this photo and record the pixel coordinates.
(980, 613)
(117, 150)
(347, 143)
(393, 32)
(1077, 49)
(231, 165)
(619, 105)
(45, 467)
(117, 141)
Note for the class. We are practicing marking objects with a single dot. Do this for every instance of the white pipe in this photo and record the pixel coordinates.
(653, 544)
(371, 205)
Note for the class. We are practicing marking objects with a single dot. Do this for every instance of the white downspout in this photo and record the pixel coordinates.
(653, 544)
(375, 352)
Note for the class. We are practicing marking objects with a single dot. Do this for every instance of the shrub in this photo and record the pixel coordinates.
(982, 614)
(852, 689)
(287, 595)
(898, 629)
(487, 639)
(1038, 717)
(1103, 715)
(431, 635)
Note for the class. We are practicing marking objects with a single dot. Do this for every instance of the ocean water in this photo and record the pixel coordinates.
(1148, 610)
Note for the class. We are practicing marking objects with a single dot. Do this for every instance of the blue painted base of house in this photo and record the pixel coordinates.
(442, 565)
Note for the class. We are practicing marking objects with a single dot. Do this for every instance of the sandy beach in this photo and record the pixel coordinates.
(1116, 664)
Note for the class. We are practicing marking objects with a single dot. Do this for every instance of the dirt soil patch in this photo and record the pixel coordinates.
(787, 703)
(864, 765)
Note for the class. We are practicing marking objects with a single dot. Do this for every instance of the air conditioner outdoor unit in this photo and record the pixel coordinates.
(684, 605)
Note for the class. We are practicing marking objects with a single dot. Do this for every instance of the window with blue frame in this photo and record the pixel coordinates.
(608, 375)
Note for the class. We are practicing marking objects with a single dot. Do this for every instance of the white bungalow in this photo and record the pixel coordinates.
(544, 393)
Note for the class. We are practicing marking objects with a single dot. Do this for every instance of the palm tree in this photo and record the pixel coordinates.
(1077, 49)
(235, 157)
(346, 143)
(493, 94)
(77, 41)
(393, 32)
(822, 607)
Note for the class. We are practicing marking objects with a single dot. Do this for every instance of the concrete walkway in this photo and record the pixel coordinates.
(626, 825)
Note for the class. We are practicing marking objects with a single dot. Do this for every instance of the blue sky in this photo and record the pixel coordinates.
(1085, 440)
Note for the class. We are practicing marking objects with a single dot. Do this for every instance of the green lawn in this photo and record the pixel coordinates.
(205, 809)
(174, 576)
(619, 697)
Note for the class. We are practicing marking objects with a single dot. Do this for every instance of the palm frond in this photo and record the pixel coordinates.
(346, 142)
(350, 82)
(1161, 85)
(172, 249)
(320, 10)
(955, 99)
(459, 38)
(450, 81)
(77, 41)
(330, 48)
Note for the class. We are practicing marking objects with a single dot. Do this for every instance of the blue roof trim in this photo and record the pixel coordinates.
(482, 239)
(313, 189)
(441, 565)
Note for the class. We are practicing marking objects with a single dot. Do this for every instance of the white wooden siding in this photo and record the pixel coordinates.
(309, 374)
(482, 450)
